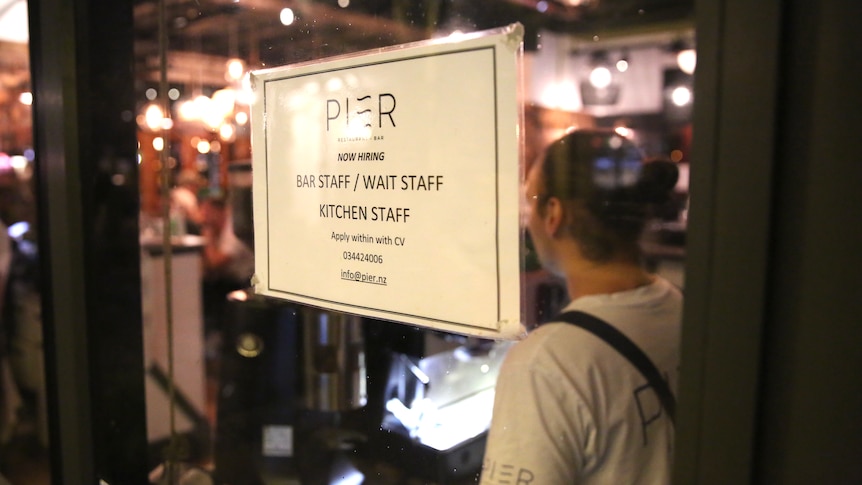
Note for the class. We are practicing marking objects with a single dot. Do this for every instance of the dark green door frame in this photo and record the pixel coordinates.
(770, 391)
(728, 238)
(87, 189)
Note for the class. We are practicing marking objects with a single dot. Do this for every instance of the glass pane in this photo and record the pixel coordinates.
(24, 456)
(271, 391)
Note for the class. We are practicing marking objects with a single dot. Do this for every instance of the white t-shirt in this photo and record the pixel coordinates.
(569, 409)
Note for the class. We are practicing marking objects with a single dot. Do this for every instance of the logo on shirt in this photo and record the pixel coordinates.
(494, 472)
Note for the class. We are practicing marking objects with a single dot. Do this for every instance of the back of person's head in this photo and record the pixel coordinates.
(217, 200)
(214, 209)
(189, 178)
(607, 188)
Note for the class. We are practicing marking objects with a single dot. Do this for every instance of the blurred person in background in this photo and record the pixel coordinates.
(228, 264)
(184, 200)
(227, 260)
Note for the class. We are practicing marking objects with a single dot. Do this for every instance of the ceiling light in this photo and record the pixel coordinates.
(680, 96)
(153, 117)
(600, 77)
(287, 16)
(624, 131)
(203, 147)
(187, 110)
(687, 60)
(226, 132)
(235, 69)
(622, 65)
(241, 118)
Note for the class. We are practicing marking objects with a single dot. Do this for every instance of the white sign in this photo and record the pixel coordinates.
(386, 184)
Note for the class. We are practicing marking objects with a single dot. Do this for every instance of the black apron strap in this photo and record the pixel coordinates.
(628, 349)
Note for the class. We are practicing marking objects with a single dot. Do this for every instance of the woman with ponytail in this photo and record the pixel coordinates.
(570, 408)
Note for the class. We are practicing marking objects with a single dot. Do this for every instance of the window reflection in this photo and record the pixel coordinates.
(24, 418)
(245, 364)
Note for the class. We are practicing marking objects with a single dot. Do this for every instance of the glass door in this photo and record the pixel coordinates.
(243, 403)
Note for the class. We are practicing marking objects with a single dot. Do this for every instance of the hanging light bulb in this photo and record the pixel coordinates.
(686, 59)
(600, 88)
(153, 117)
(235, 70)
(203, 147)
(623, 62)
(227, 132)
(187, 110)
(600, 76)
(622, 65)
(286, 16)
(223, 102)
(680, 96)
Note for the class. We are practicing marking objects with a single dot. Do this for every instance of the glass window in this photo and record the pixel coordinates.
(245, 389)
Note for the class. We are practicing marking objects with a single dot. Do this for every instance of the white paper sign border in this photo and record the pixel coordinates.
(509, 258)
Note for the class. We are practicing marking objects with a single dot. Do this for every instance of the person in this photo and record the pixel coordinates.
(569, 408)
(228, 263)
(184, 200)
(226, 258)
